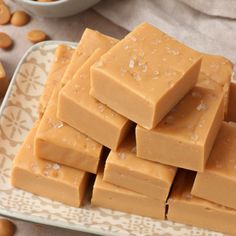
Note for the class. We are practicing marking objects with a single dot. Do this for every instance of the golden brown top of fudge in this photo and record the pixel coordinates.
(78, 91)
(191, 118)
(61, 60)
(181, 191)
(25, 159)
(53, 130)
(148, 61)
(215, 70)
(89, 42)
(126, 157)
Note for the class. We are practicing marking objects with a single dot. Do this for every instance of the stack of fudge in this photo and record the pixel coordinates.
(146, 116)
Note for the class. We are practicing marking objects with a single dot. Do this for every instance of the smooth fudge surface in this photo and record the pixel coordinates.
(89, 42)
(187, 209)
(110, 196)
(184, 138)
(58, 142)
(232, 103)
(83, 112)
(3, 81)
(218, 182)
(144, 75)
(216, 73)
(45, 178)
(123, 168)
(60, 62)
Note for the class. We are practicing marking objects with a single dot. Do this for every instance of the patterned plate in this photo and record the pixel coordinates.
(17, 114)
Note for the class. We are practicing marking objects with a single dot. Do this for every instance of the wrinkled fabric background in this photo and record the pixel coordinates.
(206, 25)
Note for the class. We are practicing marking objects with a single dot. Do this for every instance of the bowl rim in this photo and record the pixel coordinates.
(36, 3)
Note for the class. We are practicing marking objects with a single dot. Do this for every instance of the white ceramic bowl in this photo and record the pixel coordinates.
(60, 8)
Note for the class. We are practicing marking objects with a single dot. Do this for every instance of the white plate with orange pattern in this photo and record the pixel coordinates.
(17, 115)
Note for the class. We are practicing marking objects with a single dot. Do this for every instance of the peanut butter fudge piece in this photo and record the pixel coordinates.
(83, 112)
(58, 142)
(184, 138)
(218, 182)
(45, 178)
(3, 81)
(123, 168)
(216, 73)
(144, 75)
(89, 42)
(116, 198)
(61, 60)
(232, 103)
(187, 209)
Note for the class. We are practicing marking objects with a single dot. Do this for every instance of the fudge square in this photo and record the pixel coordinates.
(116, 198)
(61, 60)
(218, 182)
(187, 209)
(215, 73)
(45, 178)
(184, 138)
(58, 142)
(83, 112)
(125, 169)
(89, 42)
(144, 75)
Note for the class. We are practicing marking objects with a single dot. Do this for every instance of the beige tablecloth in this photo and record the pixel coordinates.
(206, 25)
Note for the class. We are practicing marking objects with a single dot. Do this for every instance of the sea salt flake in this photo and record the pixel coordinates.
(136, 77)
(101, 108)
(58, 124)
(121, 155)
(131, 63)
(201, 107)
(48, 166)
(133, 38)
(46, 172)
(188, 196)
(99, 63)
(34, 167)
(194, 137)
(56, 166)
(196, 94)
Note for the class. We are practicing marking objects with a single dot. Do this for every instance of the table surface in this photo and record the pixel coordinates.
(70, 29)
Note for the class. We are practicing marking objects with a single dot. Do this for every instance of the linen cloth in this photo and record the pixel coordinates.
(205, 25)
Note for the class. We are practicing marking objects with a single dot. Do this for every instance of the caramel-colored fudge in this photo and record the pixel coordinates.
(3, 81)
(89, 42)
(232, 103)
(58, 142)
(215, 73)
(218, 182)
(187, 209)
(45, 178)
(81, 111)
(61, 60)
(145, 75)
(184, 138)
(123, 168)
(107, 195)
